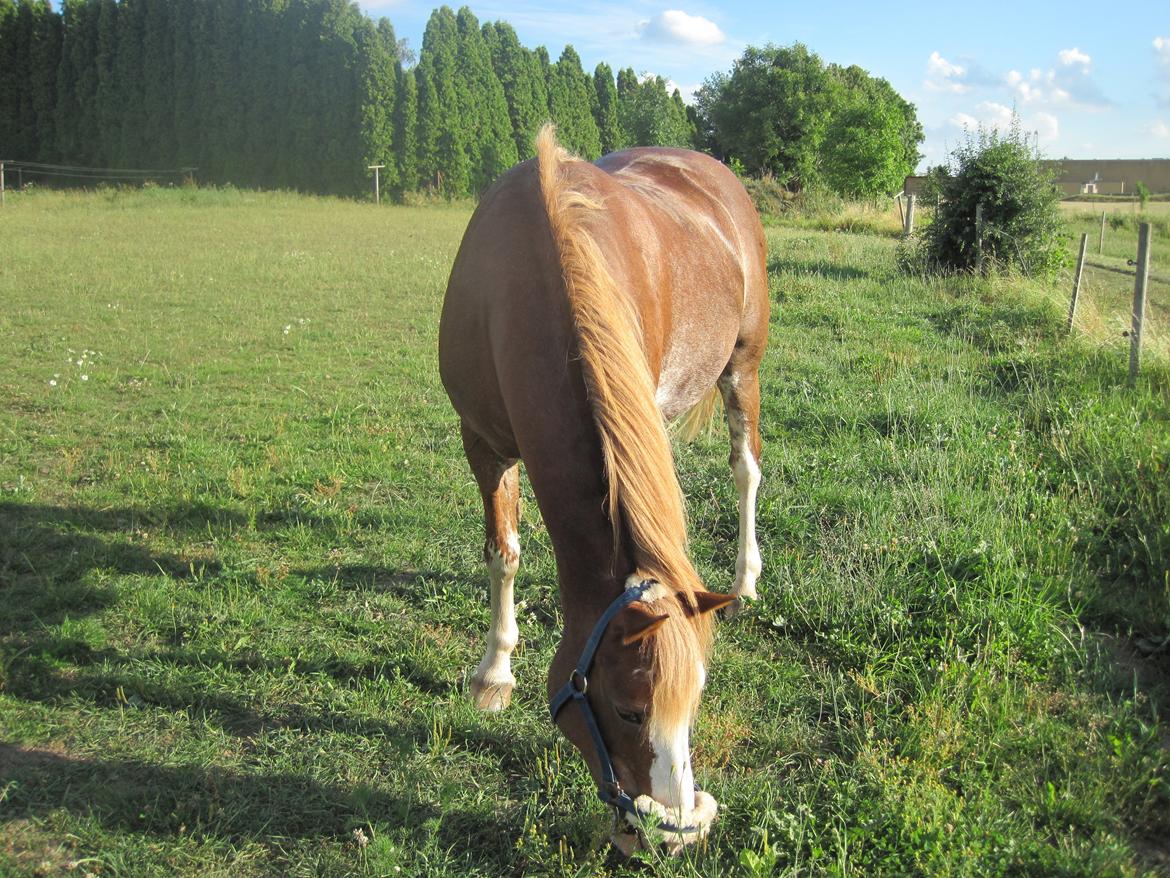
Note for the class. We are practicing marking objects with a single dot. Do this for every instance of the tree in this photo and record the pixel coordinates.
(522, 79)
(380, 102)
(782, 112)
(406, 114)
(490, 144)
(863, 149)
(609, 126)
(442, 131)
(651, 117)
(569, 92)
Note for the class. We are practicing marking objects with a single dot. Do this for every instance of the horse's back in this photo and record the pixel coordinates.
(679, 236)
(706, 276)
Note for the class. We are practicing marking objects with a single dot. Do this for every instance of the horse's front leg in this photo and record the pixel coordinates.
(499, 486)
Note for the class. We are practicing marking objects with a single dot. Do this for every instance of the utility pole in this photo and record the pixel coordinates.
(377, 182)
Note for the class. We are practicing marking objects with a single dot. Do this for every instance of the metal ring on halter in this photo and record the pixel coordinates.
(575, 674)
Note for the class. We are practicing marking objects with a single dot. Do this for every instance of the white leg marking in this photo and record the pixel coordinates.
(747, 480)
(493, 682)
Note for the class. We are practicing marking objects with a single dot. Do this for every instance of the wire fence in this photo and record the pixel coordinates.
(16, 171)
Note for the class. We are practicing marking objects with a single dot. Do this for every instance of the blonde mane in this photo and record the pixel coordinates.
(643, 489)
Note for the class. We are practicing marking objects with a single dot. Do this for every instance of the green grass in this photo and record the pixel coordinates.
(241, 591)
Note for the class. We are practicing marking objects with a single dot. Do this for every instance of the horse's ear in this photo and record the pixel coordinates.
(707, 602)
(644, 628)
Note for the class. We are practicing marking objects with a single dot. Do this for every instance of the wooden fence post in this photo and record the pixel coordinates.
(1101, 239)
(979, 238)
(1139, 300)
(1, 184)
(910, 199)
(1072, 306)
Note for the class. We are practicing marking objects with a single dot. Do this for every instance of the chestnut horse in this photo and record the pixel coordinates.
(588, 305)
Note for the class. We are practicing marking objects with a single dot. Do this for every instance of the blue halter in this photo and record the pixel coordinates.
(610, 789)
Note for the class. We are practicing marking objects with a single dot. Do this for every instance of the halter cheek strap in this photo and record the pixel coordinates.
(610, 789)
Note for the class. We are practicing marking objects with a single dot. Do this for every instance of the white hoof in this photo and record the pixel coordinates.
(492, 694)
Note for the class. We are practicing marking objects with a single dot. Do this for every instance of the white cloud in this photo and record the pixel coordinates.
(676, 26)
(1160, 130)
(989, 115)
(965, 121)
(1047, 127)
(1069, 84)
(942, 75)
(1068, 57)
(1162, 47)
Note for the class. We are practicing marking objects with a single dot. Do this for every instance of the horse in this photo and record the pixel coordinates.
(589, 304)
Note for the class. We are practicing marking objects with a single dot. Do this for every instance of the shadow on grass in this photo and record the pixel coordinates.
(822, 269)
(141, 797)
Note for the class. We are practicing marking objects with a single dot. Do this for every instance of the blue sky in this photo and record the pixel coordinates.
(1091, 80)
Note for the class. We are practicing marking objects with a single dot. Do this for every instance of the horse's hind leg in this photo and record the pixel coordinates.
(740, 387)
(499, 486)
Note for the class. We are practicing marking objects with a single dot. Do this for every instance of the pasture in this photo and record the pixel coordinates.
(241, 589)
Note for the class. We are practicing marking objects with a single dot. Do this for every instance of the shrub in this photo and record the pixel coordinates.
(1021, 223)
(1142, 191)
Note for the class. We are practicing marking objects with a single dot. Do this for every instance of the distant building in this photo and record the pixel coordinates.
(1110, 176)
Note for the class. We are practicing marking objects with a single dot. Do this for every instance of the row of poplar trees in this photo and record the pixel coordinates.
(303, 94)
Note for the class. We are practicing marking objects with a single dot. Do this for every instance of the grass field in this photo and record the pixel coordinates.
(241, 588)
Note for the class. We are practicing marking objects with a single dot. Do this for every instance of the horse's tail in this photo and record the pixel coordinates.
(643, 486)
(699, 416)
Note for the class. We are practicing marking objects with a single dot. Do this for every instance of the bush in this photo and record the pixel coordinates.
(1142, 191)
(1021, 223)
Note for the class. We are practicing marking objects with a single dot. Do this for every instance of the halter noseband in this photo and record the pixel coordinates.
(610, 789)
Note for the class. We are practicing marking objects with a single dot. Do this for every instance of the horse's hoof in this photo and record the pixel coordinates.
(492, 695)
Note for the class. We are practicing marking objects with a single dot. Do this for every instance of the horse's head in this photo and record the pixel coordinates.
(631, 694)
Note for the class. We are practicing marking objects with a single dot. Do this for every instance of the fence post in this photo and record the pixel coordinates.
(1072, 306)
(1101, 239)
(1139, 300)
(979, 238)
(910, 200)
(1, 184)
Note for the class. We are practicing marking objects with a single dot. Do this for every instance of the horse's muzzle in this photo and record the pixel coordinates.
(631, 833)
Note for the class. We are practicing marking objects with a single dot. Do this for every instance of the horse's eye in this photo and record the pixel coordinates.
(631, 716)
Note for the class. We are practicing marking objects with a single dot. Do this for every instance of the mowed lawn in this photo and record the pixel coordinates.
(241, 589)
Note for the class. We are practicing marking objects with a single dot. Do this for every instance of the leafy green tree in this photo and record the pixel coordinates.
(569, 105)
(1021, 221)
(129, 83)
(491, 146)
(771, 112)
(380, 102)
(109, 106)
(782, 112)
(158, 83)
(863, 149)
(443, 132)
(406, 115)
(523, 81)
(651, 117)
(609, 127)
